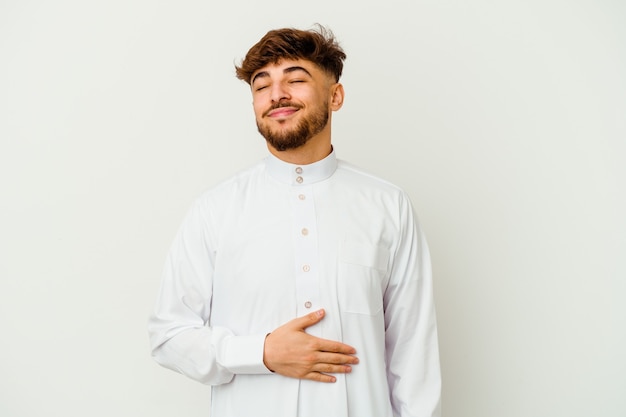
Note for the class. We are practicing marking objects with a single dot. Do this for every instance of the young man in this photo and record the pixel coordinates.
(301, 287)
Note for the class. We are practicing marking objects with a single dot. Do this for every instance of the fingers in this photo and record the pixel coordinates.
(324, 345)
(316, 376)
(308, 320)
(320, 372)
(330, 359)
(322, 365)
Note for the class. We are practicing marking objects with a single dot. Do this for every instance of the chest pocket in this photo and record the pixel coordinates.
(362, 272)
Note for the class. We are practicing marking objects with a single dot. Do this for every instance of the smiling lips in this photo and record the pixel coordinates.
(281, 111)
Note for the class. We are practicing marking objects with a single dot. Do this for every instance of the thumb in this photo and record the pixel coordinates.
(309, 319)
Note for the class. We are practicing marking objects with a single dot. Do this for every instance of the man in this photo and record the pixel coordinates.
(301, 286)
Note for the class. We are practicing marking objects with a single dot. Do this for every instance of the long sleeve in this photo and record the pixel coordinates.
(180, 335)
(412, 353)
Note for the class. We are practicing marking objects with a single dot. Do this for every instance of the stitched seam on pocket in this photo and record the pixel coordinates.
(371, 256)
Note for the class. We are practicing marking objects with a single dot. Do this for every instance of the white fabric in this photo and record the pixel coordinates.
(279, 241)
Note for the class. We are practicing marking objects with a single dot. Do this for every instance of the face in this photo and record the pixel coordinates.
(292, 101)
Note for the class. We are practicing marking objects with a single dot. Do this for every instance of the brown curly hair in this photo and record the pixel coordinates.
(316, 45)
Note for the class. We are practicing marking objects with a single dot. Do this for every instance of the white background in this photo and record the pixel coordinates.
(504, 120)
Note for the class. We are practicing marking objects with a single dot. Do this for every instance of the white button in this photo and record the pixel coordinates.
(306, 268)
(301, 196)
(308, 304)
(299, 180)
(305, 231)
(298, 170)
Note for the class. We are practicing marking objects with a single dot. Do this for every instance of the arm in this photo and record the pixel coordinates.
(412, 352)
(180, 336)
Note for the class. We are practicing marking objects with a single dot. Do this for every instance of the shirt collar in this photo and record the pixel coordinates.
(293, 174)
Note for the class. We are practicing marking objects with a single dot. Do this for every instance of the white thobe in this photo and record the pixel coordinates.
(276, 242)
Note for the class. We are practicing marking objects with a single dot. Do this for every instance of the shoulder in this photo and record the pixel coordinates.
(231, 187)
(358, 177)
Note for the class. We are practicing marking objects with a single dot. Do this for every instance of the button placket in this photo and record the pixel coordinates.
(306, 257)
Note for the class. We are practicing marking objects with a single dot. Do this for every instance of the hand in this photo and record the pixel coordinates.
(291, 352)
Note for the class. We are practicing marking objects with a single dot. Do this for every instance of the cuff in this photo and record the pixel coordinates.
(243, 354)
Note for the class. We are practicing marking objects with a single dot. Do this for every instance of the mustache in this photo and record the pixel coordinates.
(281, 104)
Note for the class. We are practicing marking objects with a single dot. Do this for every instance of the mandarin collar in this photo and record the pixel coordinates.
(293, 174)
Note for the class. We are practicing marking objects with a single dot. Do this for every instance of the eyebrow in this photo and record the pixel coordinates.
(285, 71)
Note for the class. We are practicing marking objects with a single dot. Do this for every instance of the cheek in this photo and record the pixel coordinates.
(260, 103)
(257, 108)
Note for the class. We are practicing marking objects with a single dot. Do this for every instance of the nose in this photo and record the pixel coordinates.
(278, 92)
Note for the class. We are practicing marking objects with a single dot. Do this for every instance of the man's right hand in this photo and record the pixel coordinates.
(291, 352)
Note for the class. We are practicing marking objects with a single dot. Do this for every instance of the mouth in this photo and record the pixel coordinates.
(282, 111)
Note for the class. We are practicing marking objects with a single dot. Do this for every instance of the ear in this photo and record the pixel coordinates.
(336, 98)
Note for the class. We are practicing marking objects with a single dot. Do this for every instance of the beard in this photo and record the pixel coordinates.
(300, 134)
